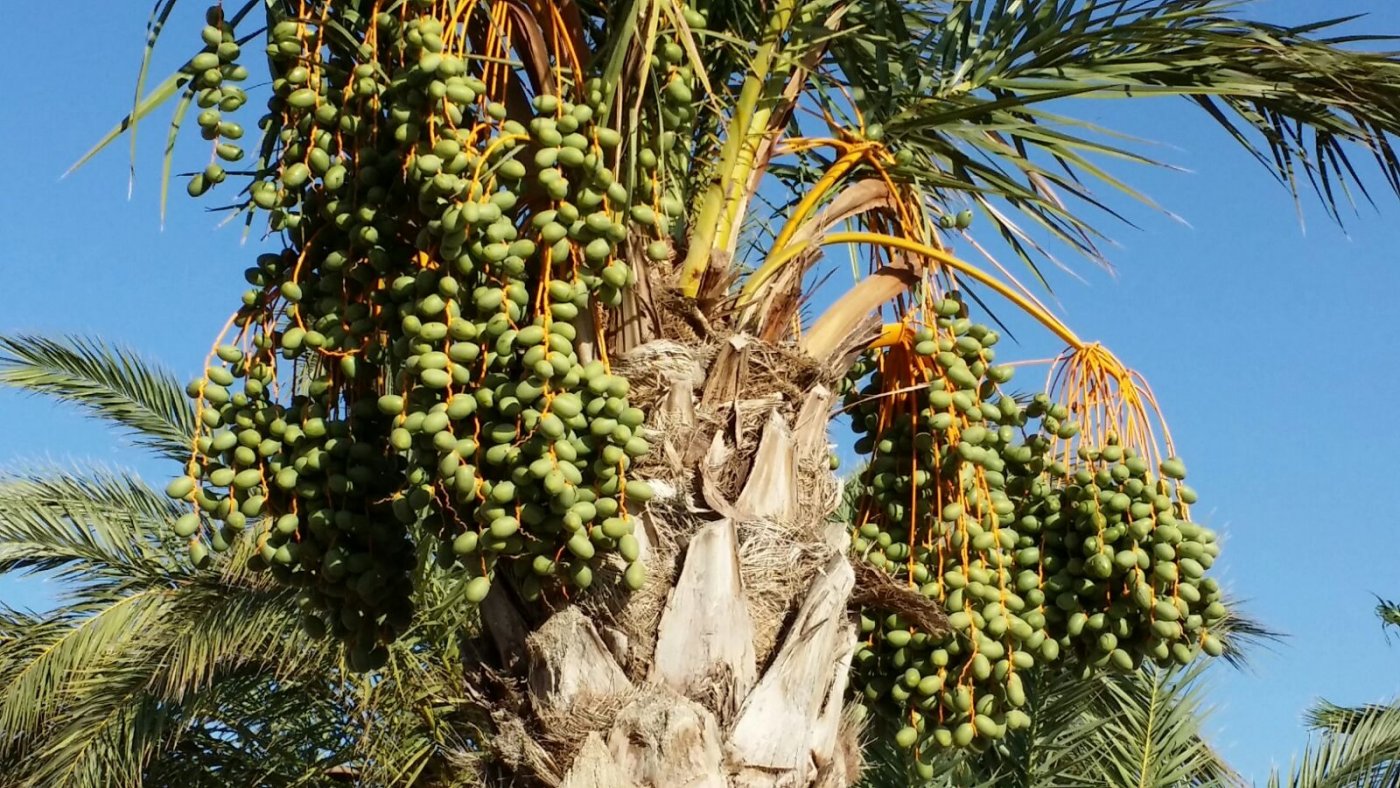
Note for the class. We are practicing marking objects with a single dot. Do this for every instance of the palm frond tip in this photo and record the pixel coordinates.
(111, 383)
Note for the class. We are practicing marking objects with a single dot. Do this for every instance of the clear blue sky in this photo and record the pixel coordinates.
(1264, 343)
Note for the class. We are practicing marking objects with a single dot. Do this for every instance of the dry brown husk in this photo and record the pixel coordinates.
(722, 406)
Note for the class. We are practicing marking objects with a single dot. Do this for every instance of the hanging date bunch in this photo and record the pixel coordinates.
(1047, 528)
(422, 360)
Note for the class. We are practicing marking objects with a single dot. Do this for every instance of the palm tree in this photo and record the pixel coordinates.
(163, 699)
(758, 131)
(150, 671)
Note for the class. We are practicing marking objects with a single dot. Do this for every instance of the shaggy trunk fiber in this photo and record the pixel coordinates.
(729, 668)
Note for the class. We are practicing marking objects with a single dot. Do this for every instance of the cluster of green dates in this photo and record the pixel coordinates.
(211, 78)
(968, 498)
(314, 485)
(418, 369)
(1124, 566)
(662, 153)
(675, 79)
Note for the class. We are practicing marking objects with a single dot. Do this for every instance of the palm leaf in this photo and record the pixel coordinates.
(161, 93)
(1240, 633)
(109, 382)
(1334, 719)
(98, 690)
(37, 671)
(969, 93)
(160, 14)
(1153, 736)
(153, 671)
(1362, 753)
(1359, 745)
(103, 527)
(1389, 614)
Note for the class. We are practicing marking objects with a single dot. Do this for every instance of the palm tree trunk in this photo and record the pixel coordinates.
(729, 668)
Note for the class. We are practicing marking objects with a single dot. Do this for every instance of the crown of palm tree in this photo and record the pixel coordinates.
(977, 97)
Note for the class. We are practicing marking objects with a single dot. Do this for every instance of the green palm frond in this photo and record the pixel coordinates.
(152, 670)
(245, 731)
(101, 527)
(1359, 746)
(1357, 749)
(39, 670)
(95, 693)
(422, 719)
(1066, 711)
(979, 93)
(1132, 730)
(172, 640)
(144, 648)
(103, 743)
(214, 627)
(1389, 614)
(111, 383)
(1331, 718)
(1152, 736)
(1241, 634)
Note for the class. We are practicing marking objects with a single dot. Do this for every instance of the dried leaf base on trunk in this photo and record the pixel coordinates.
(729, 668)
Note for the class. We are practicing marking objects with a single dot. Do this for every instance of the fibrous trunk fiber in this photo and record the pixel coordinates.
(730, 668)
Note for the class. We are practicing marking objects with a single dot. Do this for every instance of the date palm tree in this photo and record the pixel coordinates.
(769, 132)
(152, 671)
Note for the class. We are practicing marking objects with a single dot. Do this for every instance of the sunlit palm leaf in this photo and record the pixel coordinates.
(108, 684)
(1156, 733)
(1334, 719)
(1241, 634)
(108, 382)
(102, 527)
(968, 89)
(1359, 745)
(38, 669)
(1366, 754)
(1389, 614)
